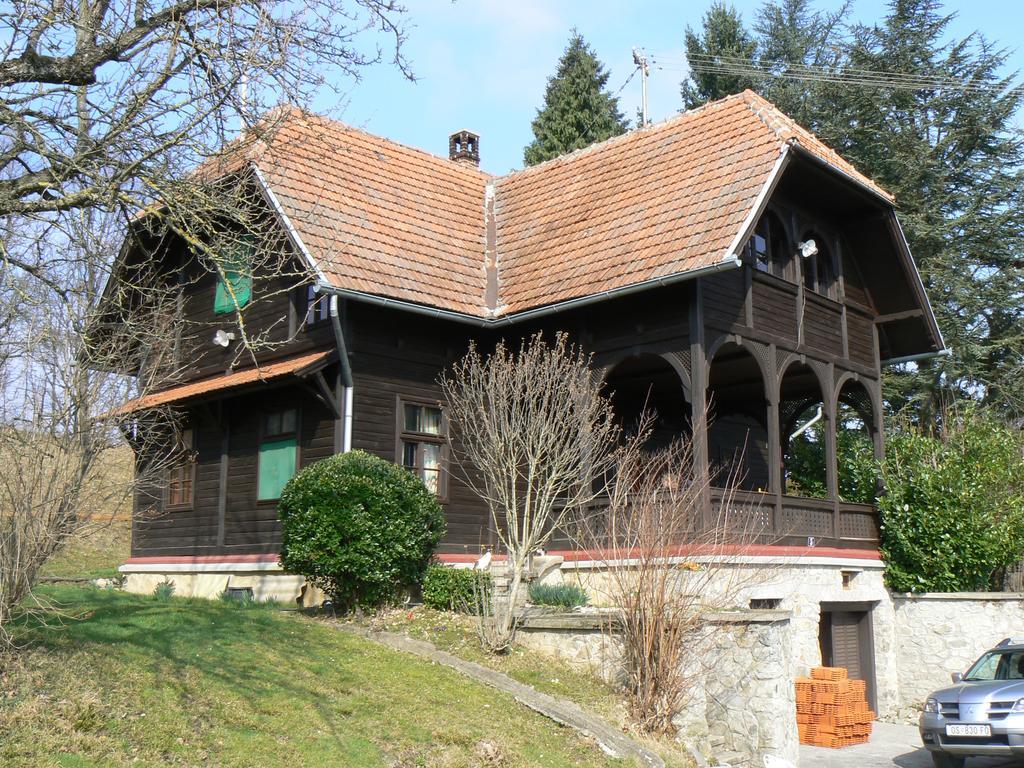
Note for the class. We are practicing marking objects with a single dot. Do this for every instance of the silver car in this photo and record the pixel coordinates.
(982, 714)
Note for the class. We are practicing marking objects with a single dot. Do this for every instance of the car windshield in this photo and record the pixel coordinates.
(998, 665)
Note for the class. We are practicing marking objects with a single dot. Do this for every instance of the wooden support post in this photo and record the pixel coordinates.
(831, 459)
(774, 440)
(698, 396)
(222, 487)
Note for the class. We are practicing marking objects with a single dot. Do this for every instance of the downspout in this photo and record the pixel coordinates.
(346, 375)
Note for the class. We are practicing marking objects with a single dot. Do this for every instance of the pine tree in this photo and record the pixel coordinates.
(722, 34)
(955, 162)
(790, 34)
(578, 110)
(951, 156)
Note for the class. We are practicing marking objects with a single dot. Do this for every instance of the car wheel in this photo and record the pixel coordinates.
(943, 760)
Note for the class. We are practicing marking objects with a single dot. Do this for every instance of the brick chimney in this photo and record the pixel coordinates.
(464, 147)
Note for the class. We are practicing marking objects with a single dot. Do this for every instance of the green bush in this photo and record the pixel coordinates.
(565, 596)
(455, 589)
(953, 508)
(358, 527)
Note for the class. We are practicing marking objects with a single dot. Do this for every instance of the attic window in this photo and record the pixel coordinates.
(234, 277)
(768, 248)
(318, 306)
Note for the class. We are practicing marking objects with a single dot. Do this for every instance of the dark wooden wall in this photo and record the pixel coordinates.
(248, 526)
(272, 320)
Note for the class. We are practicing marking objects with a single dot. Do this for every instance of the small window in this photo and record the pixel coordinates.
(318, 306)
(421, 443)
(278, 453)
(768, 248)
(765, 603)
(819, 274)
(234, 280)
(181, 477)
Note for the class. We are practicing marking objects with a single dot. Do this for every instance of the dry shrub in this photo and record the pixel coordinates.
(533, 435)
(667, 564)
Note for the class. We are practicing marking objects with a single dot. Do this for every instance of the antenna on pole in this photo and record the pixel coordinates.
(640, 59)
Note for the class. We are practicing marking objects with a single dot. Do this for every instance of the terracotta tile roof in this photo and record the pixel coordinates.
(385, 219)
(292, 366)
(378, 216)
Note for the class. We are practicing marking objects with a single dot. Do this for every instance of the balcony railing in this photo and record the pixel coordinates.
(797, 520)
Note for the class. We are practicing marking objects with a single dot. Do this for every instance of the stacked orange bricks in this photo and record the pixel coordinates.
(832, 710)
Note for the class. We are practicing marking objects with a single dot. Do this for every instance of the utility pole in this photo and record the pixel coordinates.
(640, 59)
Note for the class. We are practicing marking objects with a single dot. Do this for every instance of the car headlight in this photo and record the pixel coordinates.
(931, 705)
(1018, 706)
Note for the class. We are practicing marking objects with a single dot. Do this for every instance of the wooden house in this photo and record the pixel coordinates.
(725, 256)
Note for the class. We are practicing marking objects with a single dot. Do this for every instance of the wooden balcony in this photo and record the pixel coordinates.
(796, 520)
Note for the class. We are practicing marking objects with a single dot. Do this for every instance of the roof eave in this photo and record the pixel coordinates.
(537, 312)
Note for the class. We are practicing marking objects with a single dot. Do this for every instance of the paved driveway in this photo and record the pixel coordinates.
(890, 745)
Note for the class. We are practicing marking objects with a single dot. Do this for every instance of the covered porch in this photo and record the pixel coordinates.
(775, 431)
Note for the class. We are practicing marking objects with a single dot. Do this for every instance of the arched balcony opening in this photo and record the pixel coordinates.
(649, 383)
(737, 420)
(803, 431)
(858, 444)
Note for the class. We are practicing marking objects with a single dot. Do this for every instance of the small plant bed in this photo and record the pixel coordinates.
(563, 597)
(167, 681)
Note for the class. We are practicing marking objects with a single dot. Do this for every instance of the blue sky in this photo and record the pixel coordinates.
(483, 64)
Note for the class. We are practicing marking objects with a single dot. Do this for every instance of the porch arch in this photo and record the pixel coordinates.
(738, 417)
(655, 382)
(858, 430)
(806, 430)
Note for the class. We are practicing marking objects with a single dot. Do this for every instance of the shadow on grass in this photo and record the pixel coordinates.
(251, 653)
(259, 678)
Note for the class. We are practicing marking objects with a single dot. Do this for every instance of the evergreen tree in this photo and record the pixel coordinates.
(790, 35)
(722, 35)
(951, 156)
(955, 162)
(578, 110)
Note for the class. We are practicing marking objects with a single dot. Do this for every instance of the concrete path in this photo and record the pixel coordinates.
(613, 741)
(891, 746)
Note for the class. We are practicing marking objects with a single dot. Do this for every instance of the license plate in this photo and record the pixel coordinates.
(968, 730)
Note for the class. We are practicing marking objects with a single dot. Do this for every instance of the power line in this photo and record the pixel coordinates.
(738, 66)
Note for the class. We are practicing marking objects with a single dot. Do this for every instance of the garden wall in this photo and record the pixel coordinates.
(747, 701)
(939, 633)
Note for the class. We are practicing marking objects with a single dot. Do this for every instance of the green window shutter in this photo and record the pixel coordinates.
(277, 465)
(234, 288)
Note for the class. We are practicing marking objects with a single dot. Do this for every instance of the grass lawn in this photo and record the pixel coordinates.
(131, 680)
(456, 633)
(96, 553)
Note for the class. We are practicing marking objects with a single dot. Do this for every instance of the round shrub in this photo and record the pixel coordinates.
(455, 589)
(358, 527)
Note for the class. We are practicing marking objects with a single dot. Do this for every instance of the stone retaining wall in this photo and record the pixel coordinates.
(747, 701)
(937, 634)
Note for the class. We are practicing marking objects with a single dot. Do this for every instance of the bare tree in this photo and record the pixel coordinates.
(534, 437)
(113, 118)
(61, 434)
(664, 564)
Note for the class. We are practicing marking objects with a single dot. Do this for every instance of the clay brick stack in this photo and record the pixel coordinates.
(832, 710)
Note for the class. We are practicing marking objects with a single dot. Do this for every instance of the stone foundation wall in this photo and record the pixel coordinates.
(943, 633)
(746, 702)
(265, 585)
